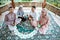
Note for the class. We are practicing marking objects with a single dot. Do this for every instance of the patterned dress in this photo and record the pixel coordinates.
(43, 21)
(10, 18)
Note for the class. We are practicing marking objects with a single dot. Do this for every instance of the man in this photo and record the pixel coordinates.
(33, 17)
(10, 20)
(10, 17)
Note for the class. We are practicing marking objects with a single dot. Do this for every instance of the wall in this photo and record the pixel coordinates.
(53, 9)
(29, 4)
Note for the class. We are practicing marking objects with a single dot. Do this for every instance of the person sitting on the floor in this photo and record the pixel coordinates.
(10, 17)
(20, 13)
(43, 18)
(33, 17)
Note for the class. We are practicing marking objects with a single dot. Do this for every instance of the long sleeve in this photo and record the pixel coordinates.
(6, 18)
(18, 12)
(22, 13)
(14, 18)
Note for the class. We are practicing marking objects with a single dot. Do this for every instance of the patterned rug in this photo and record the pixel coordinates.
(30, 33)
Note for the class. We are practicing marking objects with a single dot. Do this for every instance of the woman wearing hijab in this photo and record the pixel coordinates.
(43, 19)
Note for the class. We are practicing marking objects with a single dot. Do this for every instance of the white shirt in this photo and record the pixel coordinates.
(34, 15)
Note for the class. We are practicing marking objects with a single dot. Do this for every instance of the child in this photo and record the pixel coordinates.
(33, 17)
(20, 13)
(43, 19)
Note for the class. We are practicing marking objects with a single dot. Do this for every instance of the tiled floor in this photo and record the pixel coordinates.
(53, 32)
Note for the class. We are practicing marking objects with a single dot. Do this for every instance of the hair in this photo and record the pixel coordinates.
(34, 7)
(20, 8)
(10, 7)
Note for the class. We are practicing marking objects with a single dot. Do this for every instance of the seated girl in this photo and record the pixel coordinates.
(43, 19)
(20, 13)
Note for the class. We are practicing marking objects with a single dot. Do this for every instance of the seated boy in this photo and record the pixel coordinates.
(33, 17)
(33, 13)
(10, 20)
